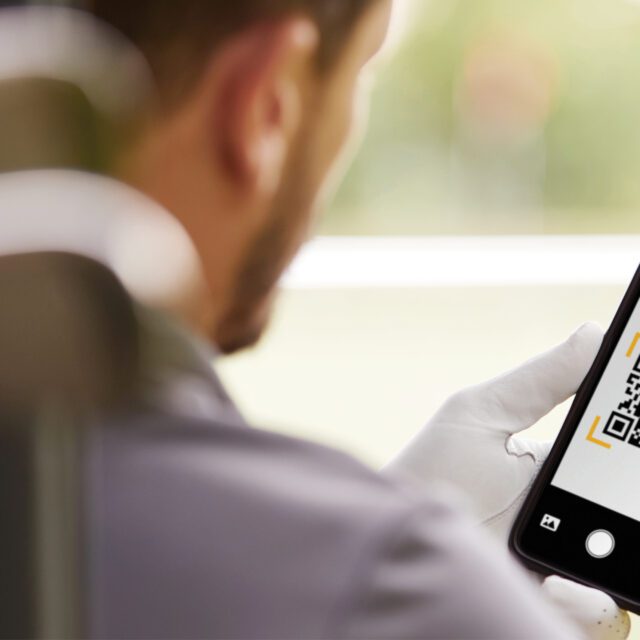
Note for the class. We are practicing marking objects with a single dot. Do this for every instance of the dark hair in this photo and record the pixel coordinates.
(178, 36)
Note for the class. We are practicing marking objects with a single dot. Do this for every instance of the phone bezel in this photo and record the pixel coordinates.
(571, 424)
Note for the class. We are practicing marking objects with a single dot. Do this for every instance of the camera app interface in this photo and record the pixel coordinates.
(602, 462)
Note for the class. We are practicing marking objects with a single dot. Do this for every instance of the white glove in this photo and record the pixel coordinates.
(593, 611)
(470, 445)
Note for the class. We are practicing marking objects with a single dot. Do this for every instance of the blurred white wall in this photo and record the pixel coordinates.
(363, 367)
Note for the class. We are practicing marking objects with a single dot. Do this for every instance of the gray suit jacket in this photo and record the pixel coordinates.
(199, 526)
(203, 527)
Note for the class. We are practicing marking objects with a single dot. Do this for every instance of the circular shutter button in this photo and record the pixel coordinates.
(600, 544)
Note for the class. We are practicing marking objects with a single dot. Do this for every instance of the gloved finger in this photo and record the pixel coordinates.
(536, 449)
(500, 520)
(518, 399)
(592, 610)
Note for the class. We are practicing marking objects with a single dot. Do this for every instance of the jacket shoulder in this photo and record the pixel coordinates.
(275, 527)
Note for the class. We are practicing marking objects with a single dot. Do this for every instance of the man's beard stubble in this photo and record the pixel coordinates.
(247, 316)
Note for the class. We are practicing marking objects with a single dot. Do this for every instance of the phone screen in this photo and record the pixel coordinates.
(582, 517)
(602, 462)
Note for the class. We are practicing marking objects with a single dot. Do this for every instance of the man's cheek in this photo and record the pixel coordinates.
(346, 143)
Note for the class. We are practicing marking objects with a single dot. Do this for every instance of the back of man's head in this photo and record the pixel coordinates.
(257, 102)
(178, 37)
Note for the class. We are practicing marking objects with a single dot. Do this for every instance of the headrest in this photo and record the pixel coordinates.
(70, 89)
(68, 334)
(71, 46)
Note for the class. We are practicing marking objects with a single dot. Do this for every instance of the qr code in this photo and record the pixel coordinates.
(624, 423)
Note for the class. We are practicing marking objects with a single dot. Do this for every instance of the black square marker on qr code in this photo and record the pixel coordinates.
(619, 425)
(634, 438)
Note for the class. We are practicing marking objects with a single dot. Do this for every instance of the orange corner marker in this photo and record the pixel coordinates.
(634, 344)
(592, 438)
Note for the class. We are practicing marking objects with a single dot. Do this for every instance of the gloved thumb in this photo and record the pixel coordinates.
(528, 393)
(593, 611)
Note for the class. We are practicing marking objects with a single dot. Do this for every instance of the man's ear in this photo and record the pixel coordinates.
(260, 77)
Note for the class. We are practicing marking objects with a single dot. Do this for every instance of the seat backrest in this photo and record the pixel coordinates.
(69, 349)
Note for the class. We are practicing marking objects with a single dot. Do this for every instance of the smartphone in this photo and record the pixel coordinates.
(581, 519)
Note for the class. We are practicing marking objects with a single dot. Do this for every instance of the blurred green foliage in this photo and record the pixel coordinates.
(503, 116)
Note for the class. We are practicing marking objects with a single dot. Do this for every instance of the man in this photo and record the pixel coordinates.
(199, 526)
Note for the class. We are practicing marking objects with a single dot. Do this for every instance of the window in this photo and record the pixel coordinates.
(489, 214)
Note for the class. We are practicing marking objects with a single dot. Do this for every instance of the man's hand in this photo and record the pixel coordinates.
(470, 444)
